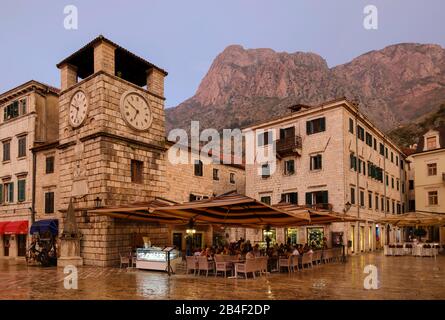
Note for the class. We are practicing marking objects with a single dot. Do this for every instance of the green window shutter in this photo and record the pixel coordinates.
(21, 187)
(324, 197)
(309, 198)
(11, 192)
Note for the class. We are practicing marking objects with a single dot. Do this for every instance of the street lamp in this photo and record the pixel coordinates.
(98, 202)
(347, 207)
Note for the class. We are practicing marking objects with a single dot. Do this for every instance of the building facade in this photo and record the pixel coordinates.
(429, 177)
(29, 116)
(330, 156)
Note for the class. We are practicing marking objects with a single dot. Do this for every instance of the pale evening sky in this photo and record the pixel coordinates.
(184, 37)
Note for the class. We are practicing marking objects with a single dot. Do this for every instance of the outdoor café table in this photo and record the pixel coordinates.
(235, 262)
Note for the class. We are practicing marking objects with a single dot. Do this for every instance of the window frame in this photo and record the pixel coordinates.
(21, 194)
(431, 169)
(49, 165)
(21, 146)
(314, 162)
(431, 195)
(137, 171)
(288, 172)
(6, 154)
(315, 126)
(215, 174)
(232, 177)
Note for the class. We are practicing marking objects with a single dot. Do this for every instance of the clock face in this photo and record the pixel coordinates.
(78, 108)
(136, 111)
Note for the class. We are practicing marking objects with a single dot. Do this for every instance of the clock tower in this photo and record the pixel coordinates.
(111, 140)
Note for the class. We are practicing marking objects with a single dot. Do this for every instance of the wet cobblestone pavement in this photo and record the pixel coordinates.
(399, 278)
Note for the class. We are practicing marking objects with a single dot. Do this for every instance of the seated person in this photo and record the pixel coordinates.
(295, 252)
(250, 255)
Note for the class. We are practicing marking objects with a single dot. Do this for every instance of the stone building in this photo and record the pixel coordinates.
(197, 180)
(429, 176)
(111, 150)
(28, 116)
(332, 156)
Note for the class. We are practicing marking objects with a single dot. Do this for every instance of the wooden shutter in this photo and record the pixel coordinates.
(11, 192)
(21, 187)
(309, 127)
(293, 198)
(309, 198)
(324, 197)
(1, 193)
(322, 124)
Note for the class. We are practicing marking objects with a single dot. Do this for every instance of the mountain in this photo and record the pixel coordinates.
(409, 134)
(393, 86)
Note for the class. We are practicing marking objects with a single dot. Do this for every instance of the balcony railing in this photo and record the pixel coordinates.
(289, 146)
(320, 206)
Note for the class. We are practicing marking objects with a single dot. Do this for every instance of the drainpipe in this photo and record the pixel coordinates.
(357, 245)
(385, 176)
(33, 211)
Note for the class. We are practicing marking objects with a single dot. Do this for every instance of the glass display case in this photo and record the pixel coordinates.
(155, 254)
(155, 258)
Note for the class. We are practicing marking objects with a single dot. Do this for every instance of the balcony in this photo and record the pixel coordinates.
(320, 206)
(289, 146)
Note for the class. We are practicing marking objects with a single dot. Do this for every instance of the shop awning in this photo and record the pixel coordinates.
(2, 226)
(412, 219)
(317, 215)
(229, 209)
(233, 209)
(141, 212)
(42, 226)
(16, 227)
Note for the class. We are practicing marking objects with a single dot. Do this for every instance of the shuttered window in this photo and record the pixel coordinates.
(49, 202)
(291, 197)
(9, 192)
(265, 138)
(316, 125)
(6, 150)
(317, 197)
(21, 190)
(316, 162)
(50, 164)
(22, 147)
(198, 168)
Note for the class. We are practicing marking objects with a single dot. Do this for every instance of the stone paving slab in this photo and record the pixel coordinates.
(399, 278)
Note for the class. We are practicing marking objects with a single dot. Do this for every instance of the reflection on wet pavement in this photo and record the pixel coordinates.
(399, 278)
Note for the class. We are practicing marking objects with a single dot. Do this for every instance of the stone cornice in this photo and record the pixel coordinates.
(105, 134)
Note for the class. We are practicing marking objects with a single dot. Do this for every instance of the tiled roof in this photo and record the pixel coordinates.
(102, 38)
